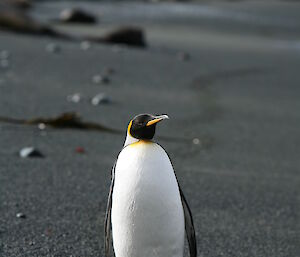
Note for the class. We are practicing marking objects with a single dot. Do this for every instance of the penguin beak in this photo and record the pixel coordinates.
(157, 119)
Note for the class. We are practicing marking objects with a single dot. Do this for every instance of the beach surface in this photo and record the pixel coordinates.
(228, 76)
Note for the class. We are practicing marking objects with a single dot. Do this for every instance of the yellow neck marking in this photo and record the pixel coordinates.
(141, 142)
(129, 127)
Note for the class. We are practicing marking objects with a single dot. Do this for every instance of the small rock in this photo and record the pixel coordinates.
(79, 149)
(42, 126)
(21, 215)
(77, 16)
(29, 152)
(75, 98)
(132, 36)
(196, 141)
(101, 98)
(85, 45)
(20, 22)
(99, 79)
(31, 243)
(4, 54)
(53, 48)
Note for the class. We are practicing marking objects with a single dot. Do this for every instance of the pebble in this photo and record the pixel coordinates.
(28, 152)
(97, 79)
(21, 215)
(85, 45)
(4, 54)
(75, 98)
(126, 36)
(76, 15)
(42, 126)
(101, 98)
(196, 141)
(79, 149)
(53, 48)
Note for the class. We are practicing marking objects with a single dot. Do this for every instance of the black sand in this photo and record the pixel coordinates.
(238, 94)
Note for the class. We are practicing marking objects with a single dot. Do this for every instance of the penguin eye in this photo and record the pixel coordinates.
(141, 124)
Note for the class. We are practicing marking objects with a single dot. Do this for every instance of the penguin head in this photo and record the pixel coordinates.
(142, 127)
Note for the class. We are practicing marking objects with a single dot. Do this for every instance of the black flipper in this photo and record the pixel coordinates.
(189, 226)
(107, 224)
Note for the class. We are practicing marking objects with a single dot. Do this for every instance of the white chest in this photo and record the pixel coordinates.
(147, 214)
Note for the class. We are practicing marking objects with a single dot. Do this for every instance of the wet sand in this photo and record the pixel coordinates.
(238, 93)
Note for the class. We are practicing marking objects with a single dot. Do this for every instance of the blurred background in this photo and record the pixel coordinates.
(72, 75)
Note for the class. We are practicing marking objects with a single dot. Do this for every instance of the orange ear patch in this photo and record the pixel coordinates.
(141, 142)
(129, 127)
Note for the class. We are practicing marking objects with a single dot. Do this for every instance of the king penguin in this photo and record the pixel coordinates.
(147, 213)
